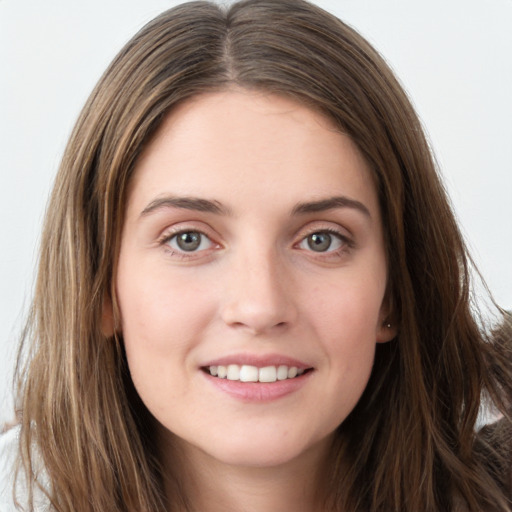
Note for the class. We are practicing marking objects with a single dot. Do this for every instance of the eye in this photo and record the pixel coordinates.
(189, 241)
(322, 241)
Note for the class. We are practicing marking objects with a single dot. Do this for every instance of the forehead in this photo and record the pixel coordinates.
(242, 143)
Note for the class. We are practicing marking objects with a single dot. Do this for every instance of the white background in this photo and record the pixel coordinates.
(453, 57)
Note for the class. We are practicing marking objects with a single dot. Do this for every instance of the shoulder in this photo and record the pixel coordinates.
(8, 455)
(9, 442)
(494, 445)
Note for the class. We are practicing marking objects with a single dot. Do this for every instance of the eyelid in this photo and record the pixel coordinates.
(183, 227)
(324, 227)
(346, 239)
(170, 234)
(173, 242)
(343, 240)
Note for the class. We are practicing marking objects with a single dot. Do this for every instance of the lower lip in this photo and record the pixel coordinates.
(259, 391)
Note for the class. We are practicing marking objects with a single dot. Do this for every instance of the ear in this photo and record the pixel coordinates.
(387, 328)
(108, 327)
(386, 331)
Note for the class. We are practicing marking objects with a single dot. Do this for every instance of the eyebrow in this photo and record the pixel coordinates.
(213, 206)
(330, 204)
(186, 203)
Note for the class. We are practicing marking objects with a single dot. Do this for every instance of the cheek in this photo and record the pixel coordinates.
(162, 317)
(346, 320)
(162, 321)
(159, 308)
(349, 311)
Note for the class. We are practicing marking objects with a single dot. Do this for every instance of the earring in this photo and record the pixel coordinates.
(388, 325)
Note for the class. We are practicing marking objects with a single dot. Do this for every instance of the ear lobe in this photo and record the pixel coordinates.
(387, 332)
(107, 318)
(388, 321)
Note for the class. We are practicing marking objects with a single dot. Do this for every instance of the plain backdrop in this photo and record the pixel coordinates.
(453, 57)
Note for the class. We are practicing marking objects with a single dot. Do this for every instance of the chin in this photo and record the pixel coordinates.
(257, 450)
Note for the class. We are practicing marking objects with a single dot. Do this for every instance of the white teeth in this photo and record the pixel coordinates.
(282, 372)
(233, 372)
(248, 373)
(268, 374)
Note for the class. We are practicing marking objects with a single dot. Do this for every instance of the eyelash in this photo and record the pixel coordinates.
(181, 254)
(347, 244)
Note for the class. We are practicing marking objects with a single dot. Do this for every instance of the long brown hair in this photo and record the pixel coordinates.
(410, 443)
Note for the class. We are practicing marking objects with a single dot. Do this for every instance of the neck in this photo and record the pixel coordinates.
(209, 485)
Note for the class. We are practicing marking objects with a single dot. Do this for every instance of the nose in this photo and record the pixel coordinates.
(258, 294)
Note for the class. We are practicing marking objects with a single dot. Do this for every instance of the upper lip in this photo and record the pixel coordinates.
(259, 361)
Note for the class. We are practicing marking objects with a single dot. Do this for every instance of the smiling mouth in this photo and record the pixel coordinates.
(249, 373)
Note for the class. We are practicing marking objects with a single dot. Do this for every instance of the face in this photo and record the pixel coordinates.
(251, 278)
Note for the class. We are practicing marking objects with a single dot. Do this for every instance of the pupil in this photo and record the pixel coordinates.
(189, 241)
(319, 242)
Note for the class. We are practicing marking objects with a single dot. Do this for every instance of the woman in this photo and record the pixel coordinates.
(252, 291)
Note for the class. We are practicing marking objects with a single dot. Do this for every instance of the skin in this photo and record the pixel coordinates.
(254, 286)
